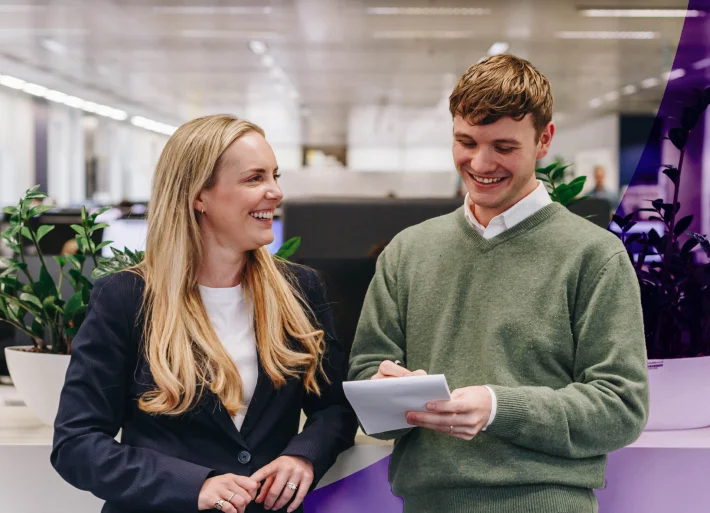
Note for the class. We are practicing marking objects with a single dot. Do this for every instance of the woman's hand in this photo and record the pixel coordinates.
(286, 469)
(235, 491)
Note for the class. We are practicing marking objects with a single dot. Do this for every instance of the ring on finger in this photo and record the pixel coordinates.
(231, 497)
(292, 486)
(218, 505)
(451, 430)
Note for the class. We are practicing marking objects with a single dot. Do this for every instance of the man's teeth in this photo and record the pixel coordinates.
(262, 215)
(487, 180)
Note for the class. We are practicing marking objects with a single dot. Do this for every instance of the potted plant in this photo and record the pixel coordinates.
(675, 296)
(38, 370)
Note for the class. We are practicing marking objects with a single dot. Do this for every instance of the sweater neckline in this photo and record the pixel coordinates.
(539, 217)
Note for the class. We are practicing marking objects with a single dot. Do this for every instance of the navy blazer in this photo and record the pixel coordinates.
(163, 461)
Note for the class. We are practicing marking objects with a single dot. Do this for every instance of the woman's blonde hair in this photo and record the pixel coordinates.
(184, 353)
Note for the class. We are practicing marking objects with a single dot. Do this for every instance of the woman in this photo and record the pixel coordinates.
(205, 354)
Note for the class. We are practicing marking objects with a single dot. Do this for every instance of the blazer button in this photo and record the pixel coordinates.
(244, 457)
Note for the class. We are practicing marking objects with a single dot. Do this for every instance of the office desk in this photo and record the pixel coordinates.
(662, 472)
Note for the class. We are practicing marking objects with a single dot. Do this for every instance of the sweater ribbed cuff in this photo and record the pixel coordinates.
(511, 412)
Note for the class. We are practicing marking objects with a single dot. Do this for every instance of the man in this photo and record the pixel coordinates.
(600, 191)
(532, 313)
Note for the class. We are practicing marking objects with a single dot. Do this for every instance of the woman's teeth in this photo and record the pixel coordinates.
(262, 215)
(486, 180)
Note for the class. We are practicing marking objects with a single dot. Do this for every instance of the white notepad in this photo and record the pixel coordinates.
(381, 404)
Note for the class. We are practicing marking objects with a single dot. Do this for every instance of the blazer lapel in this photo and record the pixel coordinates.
(262, 395)
(220, 416)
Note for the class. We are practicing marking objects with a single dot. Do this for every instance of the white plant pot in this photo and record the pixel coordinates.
(679, 393)
(38, 378)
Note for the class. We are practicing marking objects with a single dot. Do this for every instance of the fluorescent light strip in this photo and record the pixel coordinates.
(641, 13)
(571, 34)
(428, 11)
(12, 82)
(258, 47)
(34, 89)
(153, 126)
(415, 34)
(196, 10)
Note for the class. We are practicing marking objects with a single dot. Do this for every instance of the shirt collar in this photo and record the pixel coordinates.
(523, 209)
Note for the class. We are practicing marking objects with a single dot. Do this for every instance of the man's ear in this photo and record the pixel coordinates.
(545, 140)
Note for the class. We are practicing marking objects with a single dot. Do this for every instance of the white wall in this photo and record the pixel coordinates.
(17, 161)
(396, 138)
(594, 142)
(66, 177)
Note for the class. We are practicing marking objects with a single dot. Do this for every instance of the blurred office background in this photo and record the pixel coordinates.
(353, 95)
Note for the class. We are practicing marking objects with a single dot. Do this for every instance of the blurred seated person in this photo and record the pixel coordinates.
(601, 191)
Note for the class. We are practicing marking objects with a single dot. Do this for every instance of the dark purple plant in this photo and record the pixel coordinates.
(675, 290)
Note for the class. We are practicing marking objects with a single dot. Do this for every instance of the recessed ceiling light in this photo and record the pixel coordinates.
(702, 64)
(605, 34)
(53, 46)
(674, 74)
(611, 96)
(498, 48)
(641, 13)
(595, 102)
(650, 82)
(629, 89)
(258, 47)
(268, 61)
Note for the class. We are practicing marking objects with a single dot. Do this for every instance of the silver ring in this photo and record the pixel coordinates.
(218, 505)
(292, 486)
(451, 430)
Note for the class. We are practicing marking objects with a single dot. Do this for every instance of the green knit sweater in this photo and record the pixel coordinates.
(548, 314)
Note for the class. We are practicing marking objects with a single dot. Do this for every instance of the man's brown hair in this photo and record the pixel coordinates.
(499, 86)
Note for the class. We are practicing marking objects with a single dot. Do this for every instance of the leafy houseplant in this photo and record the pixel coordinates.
(675, 291)
(54, 320)
(553, 178)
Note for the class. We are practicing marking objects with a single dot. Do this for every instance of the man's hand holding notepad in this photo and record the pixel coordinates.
(381, 404)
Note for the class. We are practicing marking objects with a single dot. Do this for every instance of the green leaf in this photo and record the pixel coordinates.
(99, 212)
(103, 245)
(49, 288)
(39, 210)
(25, 231)
(575, 188)
(289, 248)
(557, 173)
(83, 214)
(29, 298)
(546, 170)
(75, 261)
(44, 230)
(37, 328)
(98, 227)
(51, 303)
(74, 306)
(61, 260)
(71, 332)
(682, 225)
(78, 229)
(10, 210)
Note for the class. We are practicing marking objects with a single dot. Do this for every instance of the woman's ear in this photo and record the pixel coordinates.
(199, 204)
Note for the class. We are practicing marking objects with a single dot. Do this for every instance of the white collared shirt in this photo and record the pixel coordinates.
(523, 209)
(536, 200)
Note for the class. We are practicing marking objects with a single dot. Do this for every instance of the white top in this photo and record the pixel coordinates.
(523, 209)
(232, 317)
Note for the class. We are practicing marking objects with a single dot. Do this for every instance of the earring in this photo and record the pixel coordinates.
(203, 210)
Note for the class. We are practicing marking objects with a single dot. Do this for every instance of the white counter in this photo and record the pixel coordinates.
(662, 472)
